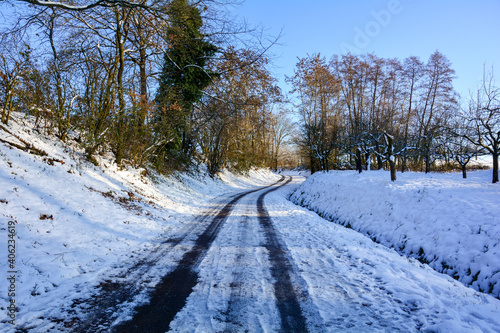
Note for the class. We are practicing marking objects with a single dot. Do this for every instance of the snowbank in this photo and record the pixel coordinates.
(453, 224)
(76, 224)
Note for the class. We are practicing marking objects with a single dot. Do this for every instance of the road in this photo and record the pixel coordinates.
(255, 262)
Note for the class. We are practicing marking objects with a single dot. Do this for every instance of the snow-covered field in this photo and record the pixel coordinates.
(75, 223)
(451, 223)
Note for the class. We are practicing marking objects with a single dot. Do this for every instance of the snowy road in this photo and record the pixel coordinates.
(259, 263)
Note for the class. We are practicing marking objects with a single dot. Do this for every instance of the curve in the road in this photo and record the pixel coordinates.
(171, 293)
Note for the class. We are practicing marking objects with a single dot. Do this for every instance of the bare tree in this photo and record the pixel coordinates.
(483, 120)
(281, 129)
(412, 73)
(14, 64)
(458, 147)
(234, 122)
(319, 95)
(437, 103)
(352, 72)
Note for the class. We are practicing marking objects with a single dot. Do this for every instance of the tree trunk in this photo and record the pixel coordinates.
(6, 109)
(120, 36)
(390, 155)
(63, 124)
(359, 167)
(495, 167)
(427, 162)
(312, 161)
(464, 171)
(392, 166)
(143, 88)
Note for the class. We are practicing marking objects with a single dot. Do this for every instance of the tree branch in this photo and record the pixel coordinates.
(98, 3)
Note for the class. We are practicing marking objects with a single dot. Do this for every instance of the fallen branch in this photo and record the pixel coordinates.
(28, 147)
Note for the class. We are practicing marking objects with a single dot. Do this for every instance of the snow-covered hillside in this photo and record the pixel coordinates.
(451, 223)
(76, 224)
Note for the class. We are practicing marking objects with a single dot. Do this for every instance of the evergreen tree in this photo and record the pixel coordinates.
(184, 76)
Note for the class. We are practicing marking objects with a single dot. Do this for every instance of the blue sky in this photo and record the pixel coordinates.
(466, 32)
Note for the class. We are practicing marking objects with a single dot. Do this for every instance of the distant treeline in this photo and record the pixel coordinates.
(365, 111)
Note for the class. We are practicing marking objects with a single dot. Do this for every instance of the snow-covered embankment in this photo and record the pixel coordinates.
(72, 225)
(453, 224)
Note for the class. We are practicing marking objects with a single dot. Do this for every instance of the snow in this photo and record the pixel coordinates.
(79, 225)
(234, 258)
(347, 282)
(450, 222)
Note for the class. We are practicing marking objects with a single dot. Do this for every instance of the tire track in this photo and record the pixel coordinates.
(235, 305)
(236, 315)
(123, 287)
(171, 293)
(291, 315)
